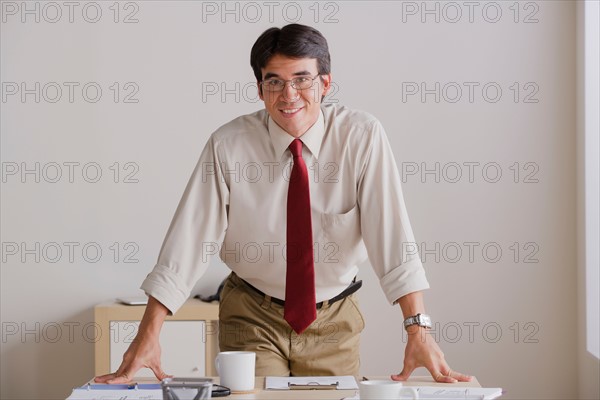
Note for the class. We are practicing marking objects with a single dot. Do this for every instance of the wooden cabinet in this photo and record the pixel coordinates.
(188, 339)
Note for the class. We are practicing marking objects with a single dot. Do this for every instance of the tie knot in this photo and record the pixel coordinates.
(296, 148)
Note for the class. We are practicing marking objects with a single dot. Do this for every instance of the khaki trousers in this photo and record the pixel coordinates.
(251, 322)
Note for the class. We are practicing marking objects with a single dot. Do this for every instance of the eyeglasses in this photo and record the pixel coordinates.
(299, 83)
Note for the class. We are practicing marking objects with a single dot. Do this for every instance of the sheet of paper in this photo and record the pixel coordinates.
(438, 392)
(282, 383)
(450, 393)
(125, 394)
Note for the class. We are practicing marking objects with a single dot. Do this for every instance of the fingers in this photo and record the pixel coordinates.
(121, 376)
(159, 373)
(114, 377)
(126, 376)
(104, 378)
(441, 378)
(142, 353)
(404, 375)
(460, 377)
(426, 353)
(447, 377)
(450, 376)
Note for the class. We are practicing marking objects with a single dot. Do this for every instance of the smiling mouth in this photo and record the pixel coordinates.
(290, 112)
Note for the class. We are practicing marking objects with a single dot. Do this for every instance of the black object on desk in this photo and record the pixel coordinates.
(179, 388)
(220, 391)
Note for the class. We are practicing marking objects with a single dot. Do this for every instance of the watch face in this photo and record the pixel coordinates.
(424, 320)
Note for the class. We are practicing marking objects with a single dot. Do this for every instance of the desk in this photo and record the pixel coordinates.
(261, 394)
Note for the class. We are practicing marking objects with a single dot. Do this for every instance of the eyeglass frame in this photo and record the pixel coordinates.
(291, 83)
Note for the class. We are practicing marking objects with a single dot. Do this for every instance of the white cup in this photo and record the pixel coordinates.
(236, 369)
(386, 390)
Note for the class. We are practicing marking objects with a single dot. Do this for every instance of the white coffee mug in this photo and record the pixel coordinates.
(386, 390)
(236, 369)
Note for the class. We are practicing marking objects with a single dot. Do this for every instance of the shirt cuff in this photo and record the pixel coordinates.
(404, 279)
(167, 287)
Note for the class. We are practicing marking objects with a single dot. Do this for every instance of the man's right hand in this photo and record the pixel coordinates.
(144, 351)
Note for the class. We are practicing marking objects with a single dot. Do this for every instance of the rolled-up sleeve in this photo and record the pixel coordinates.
(385, 226)
(196, 231)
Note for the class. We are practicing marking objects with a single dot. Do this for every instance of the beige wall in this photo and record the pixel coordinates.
(512, 323)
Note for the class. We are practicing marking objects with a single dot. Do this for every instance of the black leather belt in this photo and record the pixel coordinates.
(353, 287)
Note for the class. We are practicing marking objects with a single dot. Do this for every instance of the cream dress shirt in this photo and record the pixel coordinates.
(235, 205)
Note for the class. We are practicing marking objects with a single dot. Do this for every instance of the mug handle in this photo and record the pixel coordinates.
(217, 365)
(412, 392)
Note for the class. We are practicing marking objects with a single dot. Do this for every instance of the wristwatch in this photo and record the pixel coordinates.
(423, 320)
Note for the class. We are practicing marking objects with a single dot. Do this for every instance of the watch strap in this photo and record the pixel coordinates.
(423, 320)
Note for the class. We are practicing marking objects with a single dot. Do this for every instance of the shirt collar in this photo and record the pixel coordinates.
(312, 138)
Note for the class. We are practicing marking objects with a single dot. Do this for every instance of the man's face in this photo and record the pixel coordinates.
(294, 110)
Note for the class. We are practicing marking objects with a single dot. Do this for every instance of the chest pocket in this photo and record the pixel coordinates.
(339, 237)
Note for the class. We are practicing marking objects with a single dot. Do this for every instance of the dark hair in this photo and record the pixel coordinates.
(293, 40)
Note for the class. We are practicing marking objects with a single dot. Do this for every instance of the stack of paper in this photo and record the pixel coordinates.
(437, 392)
(452, 393)
(117, 392)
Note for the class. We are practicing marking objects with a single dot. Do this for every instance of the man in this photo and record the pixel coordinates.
(295, 196)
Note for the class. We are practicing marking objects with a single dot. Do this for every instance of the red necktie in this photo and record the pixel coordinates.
(300, 304)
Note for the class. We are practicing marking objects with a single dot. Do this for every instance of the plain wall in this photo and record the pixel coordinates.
(508, 318)
(588, 365)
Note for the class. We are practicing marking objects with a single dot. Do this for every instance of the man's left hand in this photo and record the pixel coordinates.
(422, 351)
